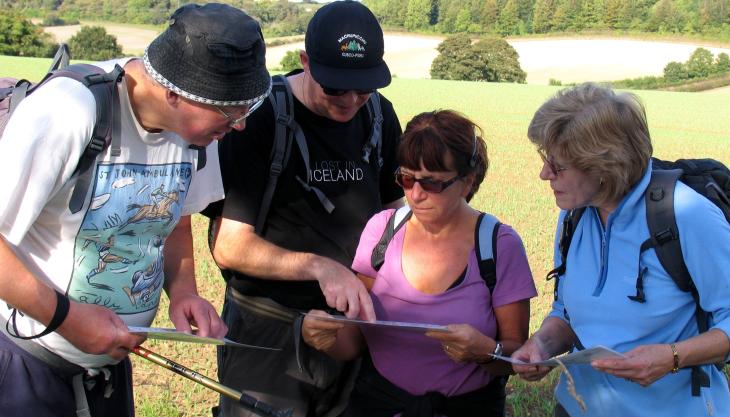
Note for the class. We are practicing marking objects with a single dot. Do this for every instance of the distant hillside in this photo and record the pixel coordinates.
(707, 18)
(515, 17)
(278, 18)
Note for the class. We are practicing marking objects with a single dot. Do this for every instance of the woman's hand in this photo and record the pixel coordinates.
(464, 343)
(643, 364)
(531, 351)
(320, 334)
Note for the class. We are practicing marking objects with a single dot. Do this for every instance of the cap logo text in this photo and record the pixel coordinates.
(352, 45)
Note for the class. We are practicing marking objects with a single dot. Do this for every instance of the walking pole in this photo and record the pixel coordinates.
(244, 399)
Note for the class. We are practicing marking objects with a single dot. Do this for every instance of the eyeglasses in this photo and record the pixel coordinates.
(336, 92)
(407, 181)
(233, 121)
(555, 169)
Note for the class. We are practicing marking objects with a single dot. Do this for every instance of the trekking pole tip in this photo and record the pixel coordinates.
(284, 413)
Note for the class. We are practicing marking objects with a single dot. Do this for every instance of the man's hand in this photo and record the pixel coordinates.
(189, 309)
(343, 290)
(98, 331)
(320, 334)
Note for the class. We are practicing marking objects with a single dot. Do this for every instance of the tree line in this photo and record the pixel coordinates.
(277, 18)
(501, 17)
(518, 17)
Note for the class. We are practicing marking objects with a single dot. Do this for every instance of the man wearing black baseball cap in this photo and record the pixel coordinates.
(287, 247)
(75, 277)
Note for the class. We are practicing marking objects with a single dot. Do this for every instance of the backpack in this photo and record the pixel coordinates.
(102, 85)
(287, 131)
(486, 243)
(107, 127)
(708, 177)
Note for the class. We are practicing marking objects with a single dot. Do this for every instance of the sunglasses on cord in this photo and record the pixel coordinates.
(407, 181)
(336, 92)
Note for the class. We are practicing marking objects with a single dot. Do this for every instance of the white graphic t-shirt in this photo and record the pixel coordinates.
(111, 252)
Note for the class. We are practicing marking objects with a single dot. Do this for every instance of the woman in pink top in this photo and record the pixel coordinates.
(431, 274)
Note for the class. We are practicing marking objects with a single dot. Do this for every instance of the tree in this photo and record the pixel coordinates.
(390, 13)
(675, 72)
(490, 14)
(95, 44)
(665, 17)
(722, 63)
(542, 18)
(419, 14)
(20, 37)
(291, 60)
(700, 63)
(568, 15)
(487, 60)
(508, 22)
(463, 20)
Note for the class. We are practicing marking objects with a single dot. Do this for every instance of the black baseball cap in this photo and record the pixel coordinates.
(344, 43)
(212, 54)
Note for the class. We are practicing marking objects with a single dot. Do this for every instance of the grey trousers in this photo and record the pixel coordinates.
(320, 389)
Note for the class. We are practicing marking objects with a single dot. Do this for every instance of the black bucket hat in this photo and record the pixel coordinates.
(344, 43)
(212, 54)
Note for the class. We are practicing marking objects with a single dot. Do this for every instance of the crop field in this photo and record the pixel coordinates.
(682, 125)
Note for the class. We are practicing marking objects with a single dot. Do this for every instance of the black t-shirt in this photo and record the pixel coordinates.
(297, 221)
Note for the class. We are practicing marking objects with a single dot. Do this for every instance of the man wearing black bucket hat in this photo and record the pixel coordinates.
(73, 278)
(294, 255)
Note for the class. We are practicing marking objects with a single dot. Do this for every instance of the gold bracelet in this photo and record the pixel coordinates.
(676, 358)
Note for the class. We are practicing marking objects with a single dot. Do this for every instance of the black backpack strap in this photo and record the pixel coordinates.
(376, 131)
(107, 128)
(202, 156)
(664, 238)
(283, 104)
(486, 247)
(61, 59)
(17, 94)
(395, 222)
(567, 228)
(301, 142)
(663, 232)
(286, 132)
(23, 87)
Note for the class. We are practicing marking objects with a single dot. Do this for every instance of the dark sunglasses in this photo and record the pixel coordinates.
(336, 92)
(407, 181)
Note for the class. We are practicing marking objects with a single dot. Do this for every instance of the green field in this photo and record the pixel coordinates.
(682, 125)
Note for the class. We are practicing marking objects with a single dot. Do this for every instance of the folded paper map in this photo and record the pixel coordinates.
(178, 336)
(418, 327)
(580, 357)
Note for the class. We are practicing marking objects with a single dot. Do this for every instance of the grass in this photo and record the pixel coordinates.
(682, 125)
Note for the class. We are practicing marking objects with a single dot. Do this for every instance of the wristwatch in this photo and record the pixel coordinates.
(497, 351)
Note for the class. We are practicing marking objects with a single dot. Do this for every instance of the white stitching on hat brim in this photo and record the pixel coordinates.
(172, 87)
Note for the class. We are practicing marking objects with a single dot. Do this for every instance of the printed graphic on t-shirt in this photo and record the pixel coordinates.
(118, 256)
(335, 171)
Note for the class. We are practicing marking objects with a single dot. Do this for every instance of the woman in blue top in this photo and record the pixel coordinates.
(596, 151)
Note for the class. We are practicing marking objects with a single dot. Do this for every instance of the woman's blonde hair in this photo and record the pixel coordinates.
(598, 131)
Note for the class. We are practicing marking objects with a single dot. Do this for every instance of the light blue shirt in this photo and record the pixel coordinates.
(602, 268)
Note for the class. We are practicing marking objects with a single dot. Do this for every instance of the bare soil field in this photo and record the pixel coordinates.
(576, 60)
(410, 56)
(132, 39)
(724, 90)
(567, 60)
